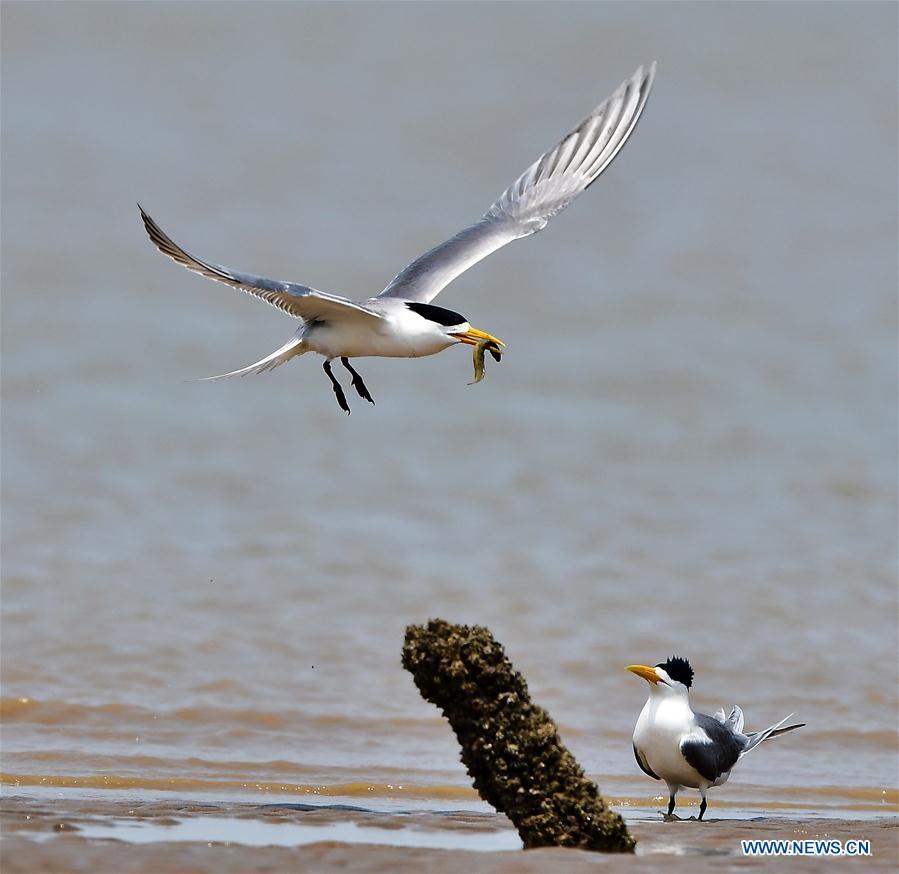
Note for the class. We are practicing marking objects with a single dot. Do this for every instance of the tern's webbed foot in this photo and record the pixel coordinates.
(338, 389)
(358, 384)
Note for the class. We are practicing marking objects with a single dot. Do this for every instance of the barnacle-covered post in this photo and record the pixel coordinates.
(510, 746)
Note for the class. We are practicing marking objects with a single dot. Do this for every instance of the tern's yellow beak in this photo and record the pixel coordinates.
(473, 336)
(648, 674)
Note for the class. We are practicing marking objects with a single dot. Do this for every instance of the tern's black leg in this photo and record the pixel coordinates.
(670, 804)
(341, 397)
(702, 808)
(358, 384)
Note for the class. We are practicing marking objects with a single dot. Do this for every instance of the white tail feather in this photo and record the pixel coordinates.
(735, 720)
(290, 349)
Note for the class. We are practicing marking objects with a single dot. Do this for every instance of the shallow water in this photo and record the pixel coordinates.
(167, 835)
(255, 833)
(690, 445)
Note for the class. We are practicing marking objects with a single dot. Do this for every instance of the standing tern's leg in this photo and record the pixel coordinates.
(341, 397)
(358, 384)
(702, 807)
(670, 804)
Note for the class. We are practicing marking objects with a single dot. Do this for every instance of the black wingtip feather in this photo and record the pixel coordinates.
(787, 728)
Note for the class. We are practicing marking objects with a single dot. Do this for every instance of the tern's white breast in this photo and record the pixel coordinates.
(399, 334)
(662, 725)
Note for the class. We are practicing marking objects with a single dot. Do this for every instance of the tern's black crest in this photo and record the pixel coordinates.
(679, 670)
(436, 314)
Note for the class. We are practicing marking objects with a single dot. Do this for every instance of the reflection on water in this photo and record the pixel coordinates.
(689, 448)
(256, 833)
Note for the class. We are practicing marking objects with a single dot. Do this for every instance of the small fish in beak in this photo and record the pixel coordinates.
(490, 345)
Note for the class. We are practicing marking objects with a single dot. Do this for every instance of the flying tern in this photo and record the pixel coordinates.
(684, 748)
(401, 321)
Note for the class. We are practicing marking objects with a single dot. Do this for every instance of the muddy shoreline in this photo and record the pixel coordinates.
(55, 836)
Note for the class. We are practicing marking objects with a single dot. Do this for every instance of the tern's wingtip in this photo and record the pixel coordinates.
(643, 76)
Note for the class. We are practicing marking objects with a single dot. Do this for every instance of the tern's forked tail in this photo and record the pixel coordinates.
(290, 349)
(772, 731)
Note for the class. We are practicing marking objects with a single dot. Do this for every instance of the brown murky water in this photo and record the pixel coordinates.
(690, 446)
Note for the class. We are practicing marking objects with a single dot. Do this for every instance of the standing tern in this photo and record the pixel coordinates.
(684, 748)
(401, 322)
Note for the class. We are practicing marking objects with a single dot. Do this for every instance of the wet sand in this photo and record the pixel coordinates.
(58, 836)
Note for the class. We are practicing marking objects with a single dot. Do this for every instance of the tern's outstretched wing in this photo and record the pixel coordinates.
(299, 301)
(542, 191)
